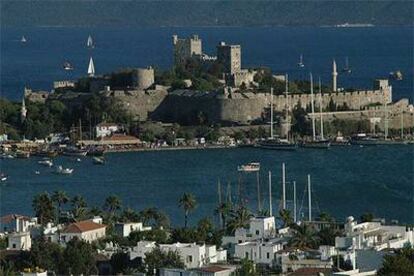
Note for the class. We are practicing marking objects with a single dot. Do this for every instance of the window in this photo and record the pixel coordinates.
(189, 259)
(257, 232)
(14, 245)
(268, 255)
(240, 241)
(247, 255)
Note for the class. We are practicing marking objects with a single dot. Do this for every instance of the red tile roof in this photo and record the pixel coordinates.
(9, 218)
(83, 226)
(311, 271)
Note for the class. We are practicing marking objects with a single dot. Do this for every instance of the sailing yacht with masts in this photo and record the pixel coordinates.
(23, 39)
(276, 143)
(90, 43)
(91, 68)
(317, 142)
(300, 63)
(347, 69)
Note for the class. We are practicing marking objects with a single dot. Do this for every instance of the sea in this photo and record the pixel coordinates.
(346, 181)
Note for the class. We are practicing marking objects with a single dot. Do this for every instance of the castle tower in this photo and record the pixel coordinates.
(230, 57)
(334, 76)
(23, 111)
(185, 48)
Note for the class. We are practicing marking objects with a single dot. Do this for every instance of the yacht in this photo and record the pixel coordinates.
(3, 177)
(23, 40)
(67, 66)
(340, 141)
(300, 63)
(61, 170)
(46, 162)
(74, 152)
(249, 167)
(363, 139)
(89, 42)
(347, 69)
(316, 142)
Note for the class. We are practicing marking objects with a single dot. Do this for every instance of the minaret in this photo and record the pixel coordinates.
(334, 75)
(23, 111)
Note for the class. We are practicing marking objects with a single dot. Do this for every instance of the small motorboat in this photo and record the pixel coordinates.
(37, 172)
(46, 162)
(397, 75)
(6, 156)
(3, 177)
(98, 160)
(67, 66)
(61, 170)
(23, 40)
(250, 167)
(78, 160)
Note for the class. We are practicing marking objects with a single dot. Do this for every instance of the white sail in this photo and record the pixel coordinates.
(321, 108)
(91, 68)
(89, 43)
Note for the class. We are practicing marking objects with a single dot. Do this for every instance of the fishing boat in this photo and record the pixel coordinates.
(300, 63)
(61, 170)
(74, 152)
(98, 160)
(276, 143)
(90, 43)
(346, 69)
(6, 156)
(249, 167)
(363, 139)
(3, 177)
(340, 141)
(397, 75)
(46, 153)
(23, 40)
(96, 151)
(67, 66)
(316, 142)
(46, 162)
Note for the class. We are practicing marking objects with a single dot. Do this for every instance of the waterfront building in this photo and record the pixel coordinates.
(106, 129)
(125, 228)
(185, 48)
(87, 230)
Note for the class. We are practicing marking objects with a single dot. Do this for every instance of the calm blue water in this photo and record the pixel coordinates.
(372, 52)
(346, 181)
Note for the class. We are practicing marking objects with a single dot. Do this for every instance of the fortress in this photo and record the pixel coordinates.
(138, 91)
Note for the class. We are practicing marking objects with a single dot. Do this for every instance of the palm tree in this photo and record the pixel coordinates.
(188, 203)
(239, 218)
(304, 237)
(44, 208)
(112, 204)
(223, 210)
(60, 198)
(286, 217)
(78, 207)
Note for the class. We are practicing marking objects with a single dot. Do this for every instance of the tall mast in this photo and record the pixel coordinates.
(271, 113)
(259, 207)
(229, 192)
(283, 186)
(309, 198)
(313, 108)
(402, 125)
(219, 199)
(385, 116)
(294, 201)
(270, 194)
(320, 107)
(287, 107)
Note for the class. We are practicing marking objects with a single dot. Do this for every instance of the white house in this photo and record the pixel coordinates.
(86, 230)
(125, 228)
(106, 129)
(213, 270)
(259, 228)
(193, 255)
(19, 241)
(16, 223)
(259, 251)
(373, 235)
(292, 264)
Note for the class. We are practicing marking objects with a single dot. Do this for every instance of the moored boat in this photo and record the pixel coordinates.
(249, 167)
(61, 170)
(364, 140)
(22, 154)
(74, 152)
(317, 144)
(46, 162)
(96, 151)
(277, 144)
(98, 160)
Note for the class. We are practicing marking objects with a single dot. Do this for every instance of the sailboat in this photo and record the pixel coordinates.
(67, 66)
(317, 142)
(347, 69)
(300, 63)
(23, 40)
(91, 68)
(90, 43)
(276, 143)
